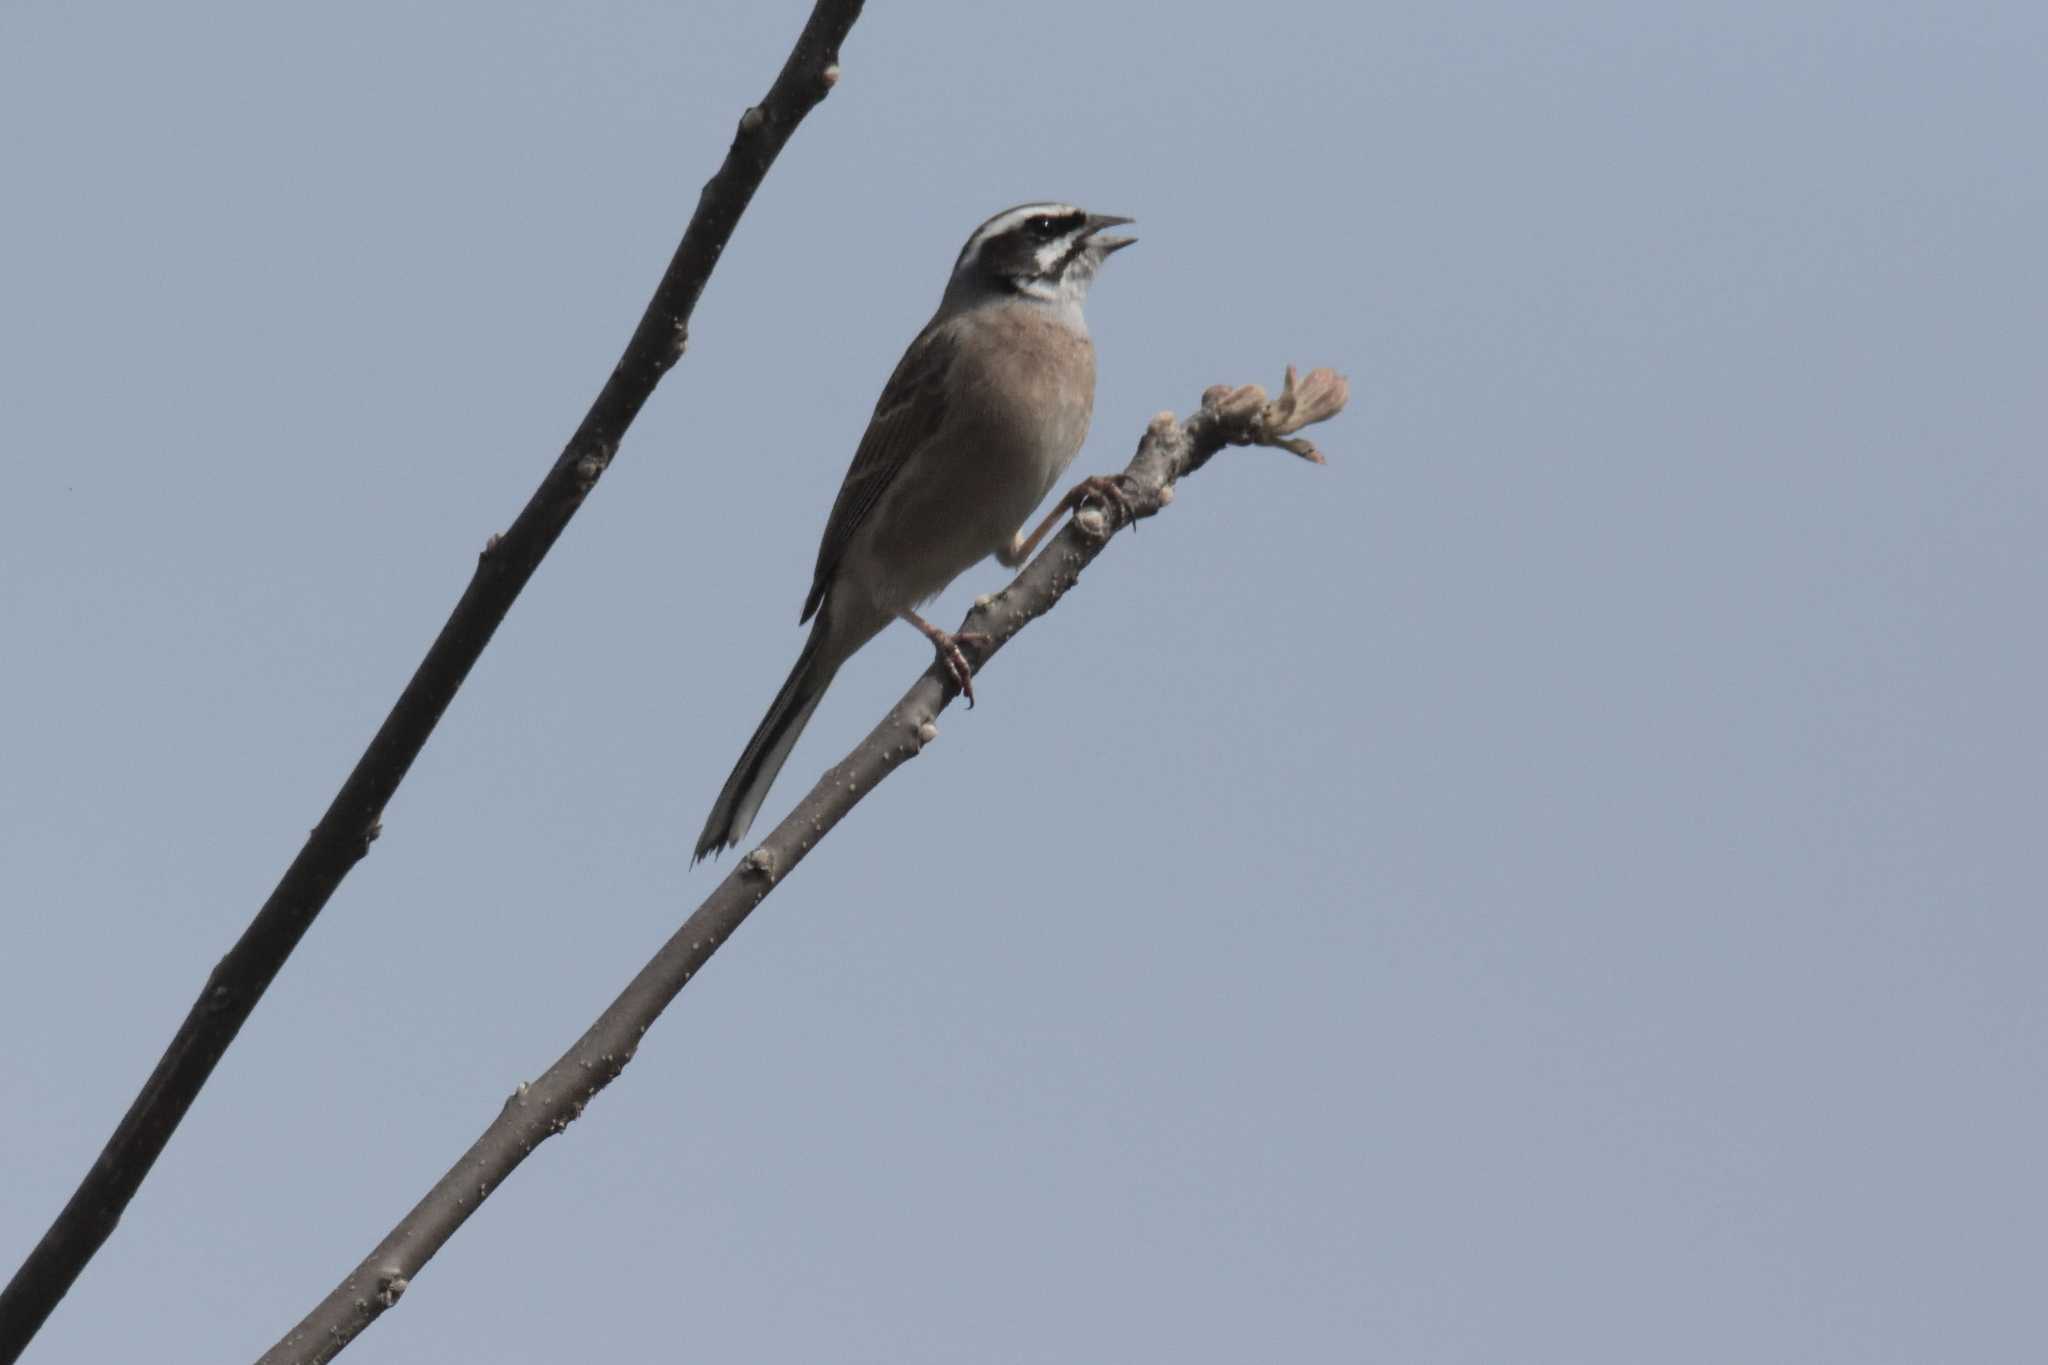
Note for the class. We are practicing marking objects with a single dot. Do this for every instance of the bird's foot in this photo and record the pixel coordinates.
(1108, 491)
(954, 657)
(949, 648)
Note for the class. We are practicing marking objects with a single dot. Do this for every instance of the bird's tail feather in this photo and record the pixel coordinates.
(733, 813)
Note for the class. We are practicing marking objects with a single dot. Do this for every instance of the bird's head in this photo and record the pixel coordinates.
(1042, 251)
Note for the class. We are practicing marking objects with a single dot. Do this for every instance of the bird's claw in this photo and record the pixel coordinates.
(1108, 491)
(947, 647)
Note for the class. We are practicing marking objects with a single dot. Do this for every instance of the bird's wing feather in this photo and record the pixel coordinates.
(911, 409)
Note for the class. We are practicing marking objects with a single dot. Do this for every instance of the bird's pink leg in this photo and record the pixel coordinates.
(1107, 489)
(948, 648)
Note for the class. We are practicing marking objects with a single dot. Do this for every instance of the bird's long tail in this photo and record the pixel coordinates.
(733, 813)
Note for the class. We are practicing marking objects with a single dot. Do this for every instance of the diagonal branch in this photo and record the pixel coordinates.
(1170, 450)
(345, 832)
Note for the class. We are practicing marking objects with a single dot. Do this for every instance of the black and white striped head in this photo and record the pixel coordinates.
(1043, 251)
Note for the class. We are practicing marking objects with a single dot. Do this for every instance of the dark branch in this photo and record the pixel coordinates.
(351, 823)
(537, 1111)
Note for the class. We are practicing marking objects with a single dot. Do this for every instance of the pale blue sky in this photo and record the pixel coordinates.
(1562, 883)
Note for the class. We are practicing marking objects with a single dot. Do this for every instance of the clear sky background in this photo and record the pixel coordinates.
(1562, 883)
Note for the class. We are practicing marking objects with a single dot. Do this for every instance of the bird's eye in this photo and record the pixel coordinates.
(1044, 225)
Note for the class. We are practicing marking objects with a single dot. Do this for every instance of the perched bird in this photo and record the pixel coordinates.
(983, 414)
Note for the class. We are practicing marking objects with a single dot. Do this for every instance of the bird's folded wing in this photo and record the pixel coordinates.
(910, 411)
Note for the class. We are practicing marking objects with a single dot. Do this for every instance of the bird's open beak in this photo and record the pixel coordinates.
(1096, 223)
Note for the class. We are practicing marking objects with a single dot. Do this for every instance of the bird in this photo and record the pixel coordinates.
(981, 417)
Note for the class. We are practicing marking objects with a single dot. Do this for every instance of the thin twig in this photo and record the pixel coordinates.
(345, 832)
(537, 1111)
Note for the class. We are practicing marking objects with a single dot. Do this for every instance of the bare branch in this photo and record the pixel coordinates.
(345, 832)
(1170, 450)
